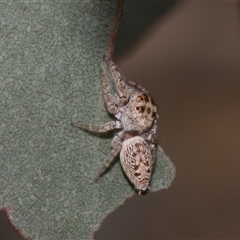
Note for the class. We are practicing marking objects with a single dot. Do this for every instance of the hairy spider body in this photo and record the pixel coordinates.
(136, 115)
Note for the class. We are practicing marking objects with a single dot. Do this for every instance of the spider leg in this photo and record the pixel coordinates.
(151, 137)
(120, 84)
(108, 162)
(117, 146)
(151, 134)
(111, 107)
(137, 86)
(100, 128)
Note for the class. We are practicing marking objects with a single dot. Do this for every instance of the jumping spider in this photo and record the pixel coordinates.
(136, 118)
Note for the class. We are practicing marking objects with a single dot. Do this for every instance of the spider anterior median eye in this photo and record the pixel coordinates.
(137, 108)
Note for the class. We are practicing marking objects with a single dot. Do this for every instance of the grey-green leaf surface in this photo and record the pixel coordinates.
(50, 60)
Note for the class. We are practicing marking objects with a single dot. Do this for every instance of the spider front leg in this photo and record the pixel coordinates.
(111, 107)
(117, 146)
(123, 90)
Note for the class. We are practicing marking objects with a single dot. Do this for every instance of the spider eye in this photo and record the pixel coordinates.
(140, 109)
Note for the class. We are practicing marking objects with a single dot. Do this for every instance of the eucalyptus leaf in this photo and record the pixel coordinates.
(51, 53)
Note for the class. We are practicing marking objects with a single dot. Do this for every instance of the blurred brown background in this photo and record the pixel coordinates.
(188, 58)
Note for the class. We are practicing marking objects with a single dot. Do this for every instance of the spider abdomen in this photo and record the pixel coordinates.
(136, 161)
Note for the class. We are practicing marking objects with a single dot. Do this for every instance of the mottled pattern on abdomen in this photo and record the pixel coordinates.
(136, 160)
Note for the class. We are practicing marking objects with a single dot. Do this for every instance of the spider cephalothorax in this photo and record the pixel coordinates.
(139, 113)
(136, 118)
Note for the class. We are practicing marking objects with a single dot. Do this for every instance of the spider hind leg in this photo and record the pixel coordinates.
(107, 163)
